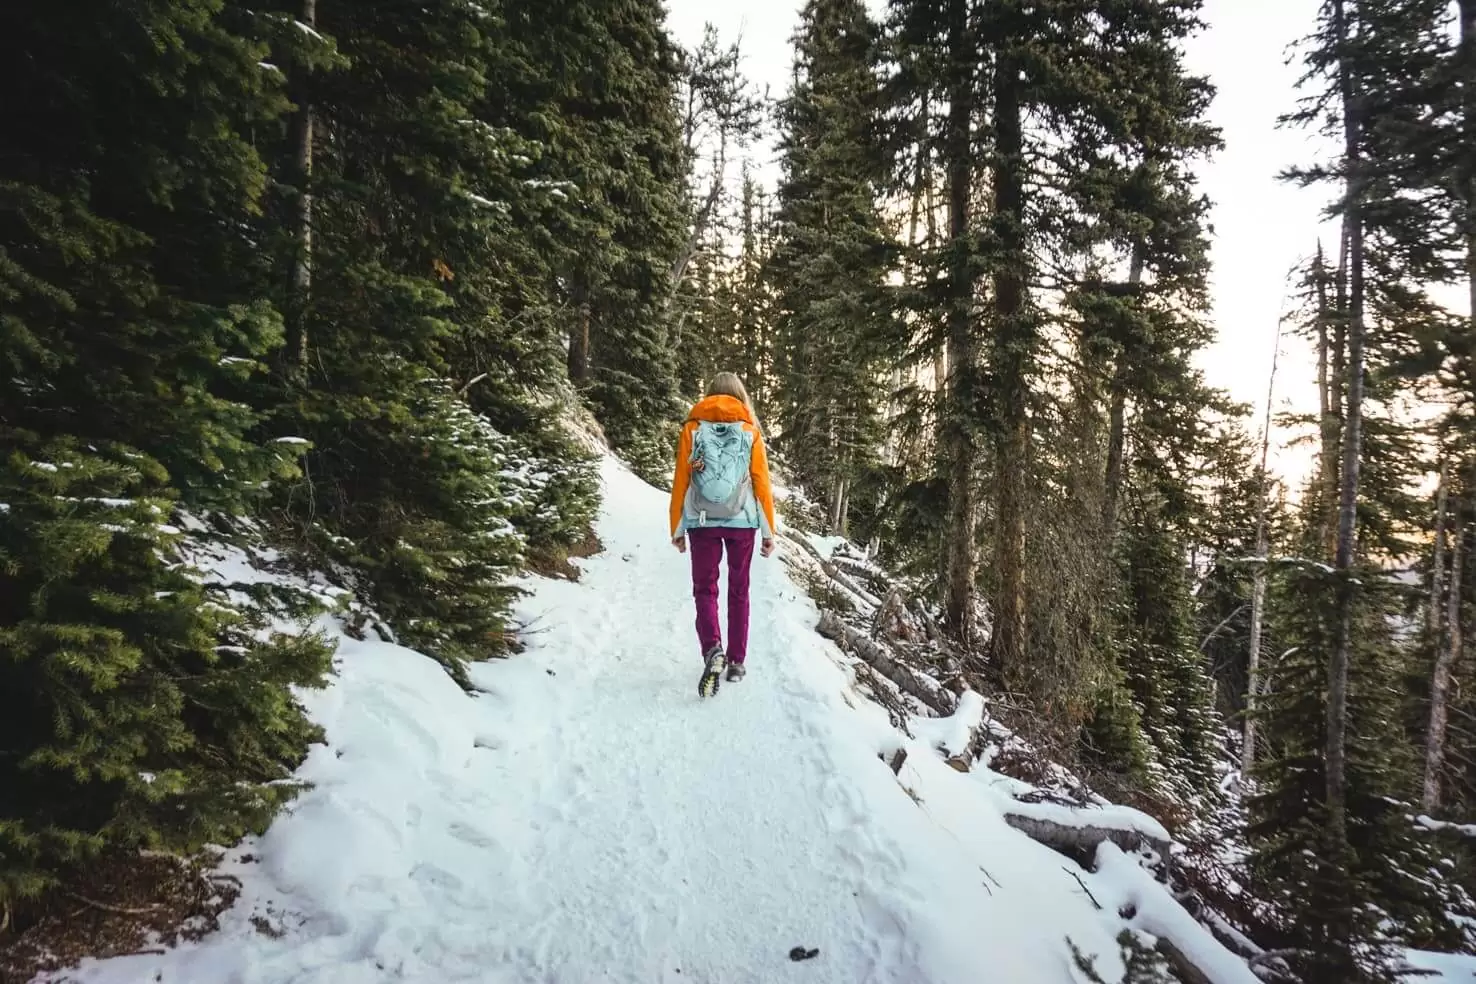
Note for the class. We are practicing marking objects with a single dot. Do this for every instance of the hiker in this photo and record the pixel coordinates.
(721, 501)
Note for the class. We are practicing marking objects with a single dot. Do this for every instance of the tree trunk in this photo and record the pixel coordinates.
(940, 352)
(1327, 406)
(1338, 666)
(1455, 632)
(1258, 588)
(1468, 61)
(1116, 446)
(1437, 567)
(926, 689)
(910, 281)
(1079, 836)
(959, 448)
(1445, 662)
(940, 368)
(915, 206)
(839, 497)
(302, 262)
(1337, 392)
(1117, 417)
(579, 341)
(1011, 362)
(700, 223)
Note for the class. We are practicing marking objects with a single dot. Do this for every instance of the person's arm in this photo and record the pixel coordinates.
(681, 479)
(763, 490)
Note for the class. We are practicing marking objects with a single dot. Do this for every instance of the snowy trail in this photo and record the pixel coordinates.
(585, 818)
(693, 840)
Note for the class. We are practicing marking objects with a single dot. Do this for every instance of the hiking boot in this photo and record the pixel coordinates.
(735, 671)
(712, 671)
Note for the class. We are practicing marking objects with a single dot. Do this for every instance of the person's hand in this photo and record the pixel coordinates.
(680, 542)
(767, 549)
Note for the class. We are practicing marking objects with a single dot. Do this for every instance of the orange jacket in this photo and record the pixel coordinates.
(727, 410)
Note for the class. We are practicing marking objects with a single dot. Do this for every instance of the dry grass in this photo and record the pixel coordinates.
(118, 905)
(556, 561)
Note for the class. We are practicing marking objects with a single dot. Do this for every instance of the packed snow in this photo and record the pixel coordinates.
(583, 816)
(1441, 968)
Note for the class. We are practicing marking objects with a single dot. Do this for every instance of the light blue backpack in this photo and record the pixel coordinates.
(720, 478)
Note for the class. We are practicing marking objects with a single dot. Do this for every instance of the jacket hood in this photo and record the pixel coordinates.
(721, 410)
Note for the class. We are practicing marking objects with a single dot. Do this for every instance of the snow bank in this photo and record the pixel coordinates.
(953, 734)
(1126, 887)
(583, 817)
(826, 545)
(1442, 968)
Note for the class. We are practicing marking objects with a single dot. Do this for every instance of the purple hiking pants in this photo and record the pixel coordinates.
(706, 545)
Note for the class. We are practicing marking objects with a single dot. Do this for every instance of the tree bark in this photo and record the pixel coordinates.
(927, 690)
(1117, 417)
(302, 262)
(1468, 61)
(1258, 586)
(700, 222)
(840, 502)
(1083, 839)
(579, 341)
(1338, 666)
(1433, 611)
(959, 447)
(1338, 396)
(1445, 662)
(1011, 362)
(1327, 405)
(1116, 446)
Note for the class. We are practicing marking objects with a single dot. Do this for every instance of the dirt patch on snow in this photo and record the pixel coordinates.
(558, 561)
(117, 906)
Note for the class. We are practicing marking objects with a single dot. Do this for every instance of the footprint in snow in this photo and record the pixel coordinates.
(436, 876)
(468, 834)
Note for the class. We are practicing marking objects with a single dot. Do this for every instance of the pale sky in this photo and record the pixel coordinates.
(1262, 227)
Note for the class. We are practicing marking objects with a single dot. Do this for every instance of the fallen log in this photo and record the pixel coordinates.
(803, 542)
(885, 694)
(875, 580)
(1189, 972)
(1081, 840)
(919, 685)
(844, 580)
(834, 572)
(930, 625)
(891, 620)
(1195, 955)
(1232, 939)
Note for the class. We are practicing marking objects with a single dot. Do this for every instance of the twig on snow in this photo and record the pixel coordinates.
(1084, 888)
(121, 910)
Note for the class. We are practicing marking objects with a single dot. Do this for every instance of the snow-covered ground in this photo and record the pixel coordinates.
(1442, 968)
(584, 817)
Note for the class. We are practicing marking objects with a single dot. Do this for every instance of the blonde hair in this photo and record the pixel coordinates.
(728, 384)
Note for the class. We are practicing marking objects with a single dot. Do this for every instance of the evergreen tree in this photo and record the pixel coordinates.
(624, 159)
(1329, 825)
(831, 257)
(397, 221)
(432, 206)
(141, 710)
(136, 715)
(1164, 669)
